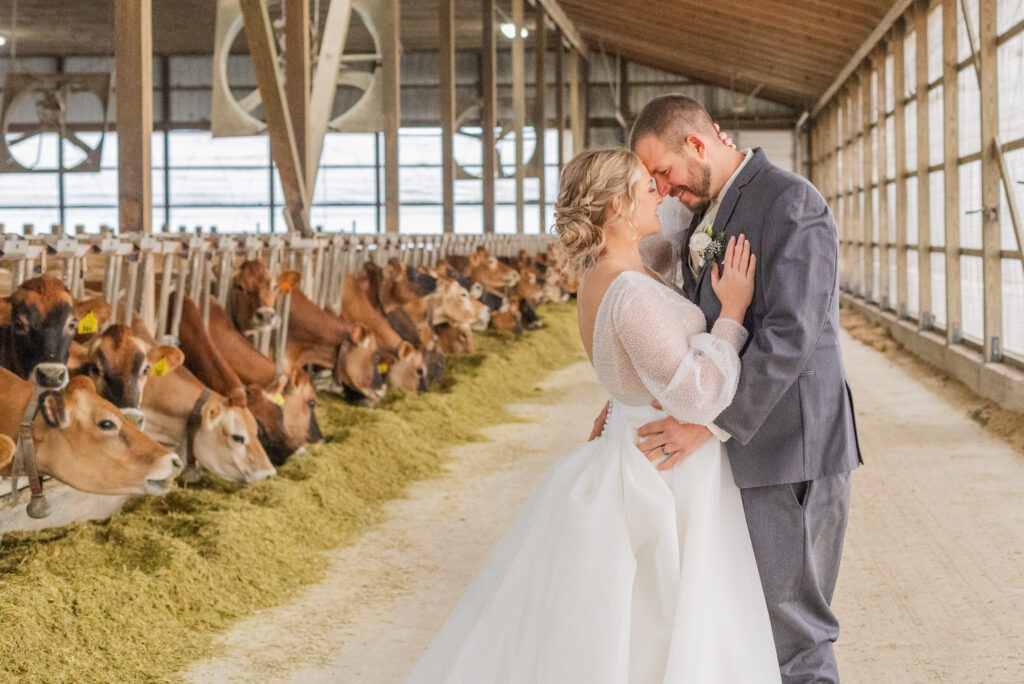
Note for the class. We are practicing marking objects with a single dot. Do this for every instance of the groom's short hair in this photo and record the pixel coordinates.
(671, 118)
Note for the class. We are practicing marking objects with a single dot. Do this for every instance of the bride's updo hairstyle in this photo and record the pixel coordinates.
(589, 183)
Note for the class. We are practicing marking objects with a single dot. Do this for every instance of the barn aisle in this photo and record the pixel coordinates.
(930, 589)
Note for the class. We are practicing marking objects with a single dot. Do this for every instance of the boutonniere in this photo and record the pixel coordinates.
(706, 244)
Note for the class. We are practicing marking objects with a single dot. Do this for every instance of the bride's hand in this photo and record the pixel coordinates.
(735, 285)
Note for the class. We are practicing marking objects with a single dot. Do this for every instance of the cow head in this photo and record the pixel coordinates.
(507, 320)
(251, 298)
(529, 287)
(406, 369)
(488, 270)
(227, 443)
(84, 441)
(119, 364)
(298, 403)
(455, 339)
(359, 366)
(455, 304)
(42, 325)
(275, 439)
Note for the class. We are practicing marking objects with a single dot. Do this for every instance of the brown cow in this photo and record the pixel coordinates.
(489, 270)
(252, 294)
(203, 359)
(296, 395)
(84, 441)
(41, 322)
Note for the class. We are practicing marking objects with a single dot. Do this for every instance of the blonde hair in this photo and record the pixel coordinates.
(589, 184)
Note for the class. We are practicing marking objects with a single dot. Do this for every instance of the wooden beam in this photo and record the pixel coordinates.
(133, 52)
(565, 26)
(883, 186)
(899, 127)
(868, 223)
(891, 17)
(990, 229)
(856, 165)
(541, 116)
(575, 125)
(924, 227)
(849, 221)
(296, 82)
(446, 65)
(488, 111)
(519, 108)
(263, 52)
(391, 100)
(951, 171)
(325, 82)
(560, 97)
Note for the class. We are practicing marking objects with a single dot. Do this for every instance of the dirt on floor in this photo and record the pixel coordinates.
(1005, 424)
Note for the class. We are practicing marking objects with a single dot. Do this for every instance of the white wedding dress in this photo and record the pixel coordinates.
(616, 572)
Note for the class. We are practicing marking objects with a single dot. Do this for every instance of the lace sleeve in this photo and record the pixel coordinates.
(693, 376)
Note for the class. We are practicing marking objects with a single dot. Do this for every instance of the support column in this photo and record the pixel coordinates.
(883, 186)
(540, 91)
(519, 108)
(296, 80)
(924, 230)
(575, 124)
(446, 65)
(488, 112)
(868, 222)
(133, 51)
(391, 53)
(899, 127)
(951, 170)
(560, 97)
(990, 238)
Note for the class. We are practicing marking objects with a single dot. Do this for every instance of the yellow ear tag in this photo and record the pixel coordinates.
(284, 288)
(88, 324)
(382, 368)
(160, 367)
(278, 399)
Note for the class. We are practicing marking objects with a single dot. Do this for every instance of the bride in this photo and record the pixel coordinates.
(619, 568)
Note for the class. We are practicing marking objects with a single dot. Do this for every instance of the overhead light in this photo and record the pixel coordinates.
(508, 29)
(3, 40)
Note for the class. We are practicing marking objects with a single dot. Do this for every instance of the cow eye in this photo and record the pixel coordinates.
(106, 425)
(239, 439)
(146, 371)
(419, 372)
(311, 403)
(73, 324)
(238, 286)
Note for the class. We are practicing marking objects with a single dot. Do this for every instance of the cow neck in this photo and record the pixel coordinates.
(309, 324)
(248, 363)
(203, 359)
(192, 425)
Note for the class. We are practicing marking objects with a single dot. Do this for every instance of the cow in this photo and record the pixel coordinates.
(252, 294)
(207, 364)
(38, 323)
(84, 441)
(292, 390)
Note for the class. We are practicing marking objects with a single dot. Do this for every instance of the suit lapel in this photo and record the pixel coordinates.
(725, 211)
(689, 283)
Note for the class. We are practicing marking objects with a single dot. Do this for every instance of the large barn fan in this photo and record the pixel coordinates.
(43, 100)
(357, 102)
(503, 138)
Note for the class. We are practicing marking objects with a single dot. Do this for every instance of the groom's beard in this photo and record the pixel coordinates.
(700, 191)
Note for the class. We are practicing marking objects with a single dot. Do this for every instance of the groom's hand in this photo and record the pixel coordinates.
(678, 439)
(599, 423)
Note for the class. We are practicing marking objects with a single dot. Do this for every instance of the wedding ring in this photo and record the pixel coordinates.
(663, 450)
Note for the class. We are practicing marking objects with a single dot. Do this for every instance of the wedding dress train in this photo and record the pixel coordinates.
(613, 571)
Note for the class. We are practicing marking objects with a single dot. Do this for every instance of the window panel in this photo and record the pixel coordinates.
(219, 186)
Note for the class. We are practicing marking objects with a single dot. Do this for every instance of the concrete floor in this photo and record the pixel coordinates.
(931, 588)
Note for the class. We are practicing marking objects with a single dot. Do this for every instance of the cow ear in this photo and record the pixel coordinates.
(53, 410)
(213, 411)
(277, 385)
(477, 290)
(288, 281)
(100, 309)
(405, 350)
(476, 258)
(172, 355)
(297, 378)
(361, 337)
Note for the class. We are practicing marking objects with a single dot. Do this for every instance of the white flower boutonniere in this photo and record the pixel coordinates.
(706, 244)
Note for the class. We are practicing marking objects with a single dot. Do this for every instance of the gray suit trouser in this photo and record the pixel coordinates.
(797, 533)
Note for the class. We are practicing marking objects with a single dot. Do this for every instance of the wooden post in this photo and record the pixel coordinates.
(263, 51)
(541, 97)
(519, 108)
(924, 229)
(488, 112)
(446, 64)
(899, 128)
(624, 104)
(951, 170)
(560, 97)
(883, 185)
(133, 48)
(296, 81)
(868, 222)
(391, 55)
(574, 103)
(990, 232)
(856, 162)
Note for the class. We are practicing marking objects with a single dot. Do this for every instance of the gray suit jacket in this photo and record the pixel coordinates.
(792, 418)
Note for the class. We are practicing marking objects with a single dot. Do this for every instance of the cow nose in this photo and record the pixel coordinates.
(265, 316)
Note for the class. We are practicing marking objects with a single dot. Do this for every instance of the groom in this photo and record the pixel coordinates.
(789, 432)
